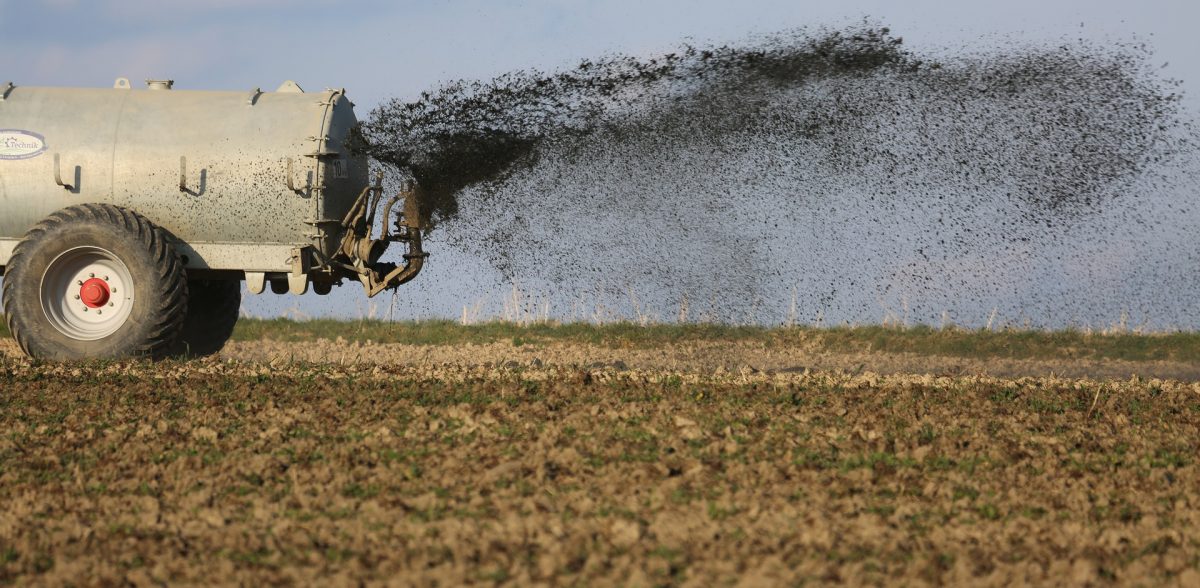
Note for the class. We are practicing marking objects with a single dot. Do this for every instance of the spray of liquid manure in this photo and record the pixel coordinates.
(827, 175)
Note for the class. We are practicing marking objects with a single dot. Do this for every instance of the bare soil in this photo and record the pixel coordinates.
(340, 463)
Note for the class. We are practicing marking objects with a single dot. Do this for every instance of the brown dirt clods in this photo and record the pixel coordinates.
(559, 473)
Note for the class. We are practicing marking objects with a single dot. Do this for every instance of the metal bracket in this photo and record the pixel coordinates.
(298, 284)
(301, 261)
(289, 179)
(183, 173)
(58, 175)
(256, 282)
(332, 97)
(8, 87)
(254, 94)
(301, 264)
(183, 181)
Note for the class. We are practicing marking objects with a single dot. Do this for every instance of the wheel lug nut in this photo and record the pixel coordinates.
(99, 312)
(105, 278)
(78, 282)
(111, 304)
(77, 297)
(91, 275)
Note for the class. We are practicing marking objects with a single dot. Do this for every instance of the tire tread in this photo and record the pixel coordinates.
(171, 301)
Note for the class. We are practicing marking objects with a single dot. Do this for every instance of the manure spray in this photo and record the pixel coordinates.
(834, 170)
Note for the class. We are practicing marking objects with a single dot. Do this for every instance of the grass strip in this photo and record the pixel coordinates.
(920, 340)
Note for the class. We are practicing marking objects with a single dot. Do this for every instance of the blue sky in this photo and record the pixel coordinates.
(377, 49)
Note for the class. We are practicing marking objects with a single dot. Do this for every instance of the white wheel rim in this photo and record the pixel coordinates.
(87, 293)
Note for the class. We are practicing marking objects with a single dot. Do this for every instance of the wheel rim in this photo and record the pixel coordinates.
(87, 293)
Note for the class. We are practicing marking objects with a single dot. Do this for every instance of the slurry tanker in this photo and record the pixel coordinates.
(130, 217)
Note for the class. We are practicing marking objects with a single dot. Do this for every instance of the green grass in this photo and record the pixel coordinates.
(921, 340)
(446, 332)
(1069, 344)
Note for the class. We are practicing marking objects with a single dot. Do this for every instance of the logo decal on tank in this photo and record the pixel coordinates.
(18, 144)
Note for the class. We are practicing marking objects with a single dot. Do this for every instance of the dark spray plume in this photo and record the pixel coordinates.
(469, 132)
(833, 175)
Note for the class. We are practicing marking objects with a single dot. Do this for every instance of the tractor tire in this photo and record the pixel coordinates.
(213, 307)
(95, 281)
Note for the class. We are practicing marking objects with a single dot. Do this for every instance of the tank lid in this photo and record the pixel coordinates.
(159, 84)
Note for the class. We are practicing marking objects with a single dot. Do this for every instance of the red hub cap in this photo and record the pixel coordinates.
(94, 293)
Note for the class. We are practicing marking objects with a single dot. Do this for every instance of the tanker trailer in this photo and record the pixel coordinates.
(129, 217)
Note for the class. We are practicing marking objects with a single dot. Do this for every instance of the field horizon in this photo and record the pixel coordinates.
(1183, 346)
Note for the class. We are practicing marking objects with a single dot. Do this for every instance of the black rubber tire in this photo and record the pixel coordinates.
(213, 307)
(160, 293)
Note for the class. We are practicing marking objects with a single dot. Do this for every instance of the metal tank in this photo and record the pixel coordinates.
(253, 185)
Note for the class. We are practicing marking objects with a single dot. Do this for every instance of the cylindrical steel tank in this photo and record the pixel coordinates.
(128, 217)
(241, 179)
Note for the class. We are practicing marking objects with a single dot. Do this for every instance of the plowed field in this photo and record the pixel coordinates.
(580, 464)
